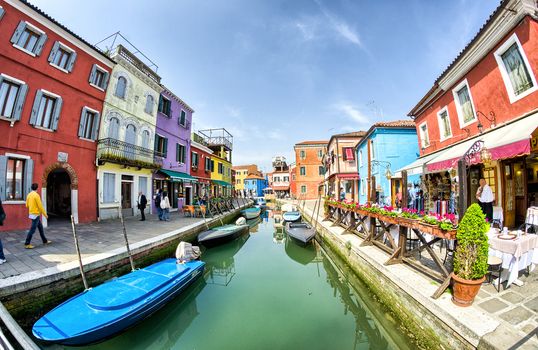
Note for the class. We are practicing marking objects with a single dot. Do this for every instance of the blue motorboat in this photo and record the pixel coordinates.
(103, 311)
(251, 213)
(291, 216)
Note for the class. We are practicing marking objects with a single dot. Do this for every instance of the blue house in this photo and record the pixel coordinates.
(393, 145)
(254, 185)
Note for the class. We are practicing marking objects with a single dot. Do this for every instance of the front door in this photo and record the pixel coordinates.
(188, 195)
(126, 193)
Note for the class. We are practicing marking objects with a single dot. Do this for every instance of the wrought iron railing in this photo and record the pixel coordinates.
(120, 152)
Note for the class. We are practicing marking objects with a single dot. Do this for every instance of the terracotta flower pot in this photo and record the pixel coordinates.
(464, 291)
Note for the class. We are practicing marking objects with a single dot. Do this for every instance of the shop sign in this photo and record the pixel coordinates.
(534, 141)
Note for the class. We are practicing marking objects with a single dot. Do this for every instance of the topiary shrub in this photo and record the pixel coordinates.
(471, 257)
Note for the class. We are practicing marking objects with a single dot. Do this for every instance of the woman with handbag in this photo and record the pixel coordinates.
(165, 206)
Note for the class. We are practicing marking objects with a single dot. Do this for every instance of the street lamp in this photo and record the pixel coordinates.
(387, 165)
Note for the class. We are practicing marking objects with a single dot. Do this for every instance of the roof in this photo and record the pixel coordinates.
(359, 133)
(254, 176)
(178, 99)
(236, 167)
(312, 143)
(38, 10)
(395, 124)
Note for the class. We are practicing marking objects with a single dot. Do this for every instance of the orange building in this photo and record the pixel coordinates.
(309, 170)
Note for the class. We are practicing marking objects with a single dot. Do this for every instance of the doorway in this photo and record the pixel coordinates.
(515, 192)
(127, 195)
(58, 195)
(188, 195)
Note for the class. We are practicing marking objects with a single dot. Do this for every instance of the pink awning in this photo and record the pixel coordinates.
(348, 176)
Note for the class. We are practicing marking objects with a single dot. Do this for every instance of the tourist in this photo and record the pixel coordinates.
(157, 202)
(35, 210)
(2, 218)
(484, 194)
(411, 196)
(165, 206)
(141, 204)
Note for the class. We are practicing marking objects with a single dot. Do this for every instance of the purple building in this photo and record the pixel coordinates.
(173, 145)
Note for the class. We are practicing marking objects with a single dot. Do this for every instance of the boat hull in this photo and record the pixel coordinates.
(301, 233)
(291, 216)
(213, 237)
(251, 213)
(106, 310)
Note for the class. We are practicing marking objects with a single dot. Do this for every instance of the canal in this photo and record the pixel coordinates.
(263, 291)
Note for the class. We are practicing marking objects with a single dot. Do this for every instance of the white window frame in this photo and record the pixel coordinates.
(104, 72)
(458, 106)
(88, 109)
(66, 48)
(421, 132)
(442, 137)
(20, 83)
(35, 29)
(305, 189)
(504, 72)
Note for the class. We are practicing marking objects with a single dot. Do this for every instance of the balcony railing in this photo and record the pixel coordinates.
(120, 152)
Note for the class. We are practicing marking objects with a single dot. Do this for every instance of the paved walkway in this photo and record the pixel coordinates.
(94, 238)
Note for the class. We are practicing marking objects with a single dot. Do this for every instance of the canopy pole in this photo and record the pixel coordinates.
(126, 240)
(78, 253)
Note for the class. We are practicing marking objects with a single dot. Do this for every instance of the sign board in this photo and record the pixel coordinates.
(534, 141)
(62, 157)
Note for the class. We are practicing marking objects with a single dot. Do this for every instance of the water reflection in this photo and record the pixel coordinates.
(253, 224)
(302, 255)
(220, 264)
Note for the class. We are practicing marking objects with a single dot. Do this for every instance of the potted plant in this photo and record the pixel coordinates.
(471, 257)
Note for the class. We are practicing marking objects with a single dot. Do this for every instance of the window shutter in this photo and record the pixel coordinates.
(3, 174)
(92, 74)
(2, 11)
(83, 117)
(54, 51)
(57, 110)
(95, 127)
(105, 80)
(23, 90)
(165, 145)
(156, 143)
(71, 62)
(40, 44)
(177, 152)
(160, 103)
(28, 176)
(20, 28)
(35, 108)
(168, 109)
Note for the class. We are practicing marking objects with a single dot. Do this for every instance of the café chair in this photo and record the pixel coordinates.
(495, 265)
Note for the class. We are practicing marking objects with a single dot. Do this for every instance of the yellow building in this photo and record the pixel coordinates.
(241, 173)
(220, 142)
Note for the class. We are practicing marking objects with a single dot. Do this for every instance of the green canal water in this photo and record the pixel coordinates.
(263, 291)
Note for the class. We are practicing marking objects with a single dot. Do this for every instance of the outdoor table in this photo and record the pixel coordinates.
(516, 254)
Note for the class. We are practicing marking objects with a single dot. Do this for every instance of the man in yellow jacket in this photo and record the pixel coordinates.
(35, 209)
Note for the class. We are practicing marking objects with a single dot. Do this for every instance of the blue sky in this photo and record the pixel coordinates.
(277, 72)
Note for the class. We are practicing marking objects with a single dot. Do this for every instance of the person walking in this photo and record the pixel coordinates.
(35, 210)
(142, 202)
(165, 206)
(2, 218)
(485, 197)
(157, 203)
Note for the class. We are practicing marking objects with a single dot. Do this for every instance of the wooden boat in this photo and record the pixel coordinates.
(103, 311)
(251, 213)
(221, 234)
(301, 232)
(291, 216)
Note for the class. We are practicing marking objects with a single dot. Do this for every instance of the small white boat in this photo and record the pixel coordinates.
(260, 203)
(291, 216)
(251, 213)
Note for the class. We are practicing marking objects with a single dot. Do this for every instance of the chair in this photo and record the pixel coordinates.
(188, 209)
(495, 264)
(449, 248)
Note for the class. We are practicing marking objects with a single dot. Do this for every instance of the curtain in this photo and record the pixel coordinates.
(517, 71)
(109, 186)
(446, 124)
(143, 185)
(465, 103)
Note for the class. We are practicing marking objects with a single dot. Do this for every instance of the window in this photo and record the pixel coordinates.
(161, 145)
(286, 179)
(515, 69)
(363, 187)
(444, 124)
(114, 128)
(207, 166)
(15, 179)
(180, 153)
(182, 118)
(46, 110)
(321, 170)
(302, 171)
(302, 154)
(293, 177)
(99, 77)
(164, 105)
(221, 168)
(320, 153)
(349, 154)
(194, 160)
(109, 187)
(149, 104)
(212, 163)
(121, 87)
(29, 38)
(145, 139)
(360, 158)
(424, 138)
(143, 184)
(303, 188)
(464, 104)
(238, 182)
(89, 124)
(12, 97)
(1, 12)
(62, 56)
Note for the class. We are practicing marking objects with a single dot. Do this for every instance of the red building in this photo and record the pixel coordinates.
(477, 119)
(52, 88)
(201, 165)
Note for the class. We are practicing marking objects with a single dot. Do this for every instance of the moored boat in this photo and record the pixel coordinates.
(291, 216)
(260, 203)
(251, 213)
(301, 232)
(103, 311)
(221, 234)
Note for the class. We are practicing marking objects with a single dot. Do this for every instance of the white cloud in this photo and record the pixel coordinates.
(307, 30)
(345, 31)
(352, 112)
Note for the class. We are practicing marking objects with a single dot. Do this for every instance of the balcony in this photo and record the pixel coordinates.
(216, 138)
(119, 152)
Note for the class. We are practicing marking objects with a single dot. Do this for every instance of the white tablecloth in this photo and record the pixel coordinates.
(512, 264)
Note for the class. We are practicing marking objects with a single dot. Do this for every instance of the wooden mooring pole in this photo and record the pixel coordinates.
(126, 240)
(78, 253)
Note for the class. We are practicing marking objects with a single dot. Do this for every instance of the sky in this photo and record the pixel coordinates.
(278, 72)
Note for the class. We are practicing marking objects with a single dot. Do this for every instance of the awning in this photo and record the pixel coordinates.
(353, 176)
(415, 168)
(510, 140)
(281, 188)
(203, 180)
(177, 176)
(221, 183)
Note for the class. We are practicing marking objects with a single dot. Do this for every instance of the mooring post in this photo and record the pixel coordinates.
(78, 253)
(126, 240)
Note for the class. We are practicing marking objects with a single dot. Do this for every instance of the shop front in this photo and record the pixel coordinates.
(179, 187)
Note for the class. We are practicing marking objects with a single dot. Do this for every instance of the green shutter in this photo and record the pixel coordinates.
(40, 44)
(177, 152)
(165, 146)
(95, 127)
(71, 62)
